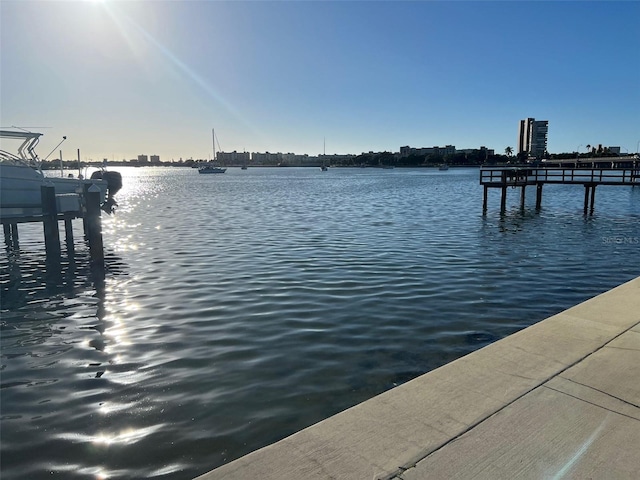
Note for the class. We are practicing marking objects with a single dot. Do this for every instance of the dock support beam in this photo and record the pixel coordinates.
(589, 198)
(50, 221)
(93, 225)
(503, 199)
(484, 199)
(538, 195)
(7, 231)
(522, 197)
(68, 233)
(10, 234)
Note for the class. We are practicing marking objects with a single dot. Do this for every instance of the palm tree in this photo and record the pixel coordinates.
(508, 151)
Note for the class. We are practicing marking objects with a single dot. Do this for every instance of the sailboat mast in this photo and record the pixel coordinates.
(213, 135)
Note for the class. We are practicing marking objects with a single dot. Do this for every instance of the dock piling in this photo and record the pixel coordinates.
(68, 232)
(50, 221)
(538, 195)
(484, 199)
(10, 234)
(589, 198)
(93, 224)
(14, 235)
(586, 198)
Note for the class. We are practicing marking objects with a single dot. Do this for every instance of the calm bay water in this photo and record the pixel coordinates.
(240, 308)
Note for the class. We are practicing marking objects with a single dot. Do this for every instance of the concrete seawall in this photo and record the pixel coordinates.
(559, 399)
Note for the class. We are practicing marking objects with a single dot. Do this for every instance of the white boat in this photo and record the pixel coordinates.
(444, 166)
(21, 179)
(212, 167)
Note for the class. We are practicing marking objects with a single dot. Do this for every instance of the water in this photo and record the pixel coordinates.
(240, 308)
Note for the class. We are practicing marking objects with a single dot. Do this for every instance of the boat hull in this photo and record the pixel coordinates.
(20, 189)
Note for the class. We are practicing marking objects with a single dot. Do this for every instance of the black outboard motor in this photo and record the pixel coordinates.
(114, 184)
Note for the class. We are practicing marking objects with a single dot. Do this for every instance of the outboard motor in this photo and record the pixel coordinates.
(114, 184)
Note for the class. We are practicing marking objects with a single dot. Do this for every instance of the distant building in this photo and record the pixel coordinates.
(298, 160)
(155, 159)
(266, 158)
(615, 150)
(336, 158)
(488, 152)
(532, 137)
(233, 158)
(441, 151)
(143, 159)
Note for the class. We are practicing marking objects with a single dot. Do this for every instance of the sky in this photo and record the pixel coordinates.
(122, 78)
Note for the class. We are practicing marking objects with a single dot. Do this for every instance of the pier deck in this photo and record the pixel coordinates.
(515, 177)
(560, 399)
(589, 177)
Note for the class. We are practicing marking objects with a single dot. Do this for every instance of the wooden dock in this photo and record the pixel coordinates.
(56, 209)
(589, 177)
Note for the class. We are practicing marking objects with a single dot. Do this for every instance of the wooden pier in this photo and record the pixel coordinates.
(61, 208)
(589, 177)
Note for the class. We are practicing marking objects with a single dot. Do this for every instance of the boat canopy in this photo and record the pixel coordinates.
(26, 150)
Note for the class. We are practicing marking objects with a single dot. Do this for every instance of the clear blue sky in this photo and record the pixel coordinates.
(122, 78)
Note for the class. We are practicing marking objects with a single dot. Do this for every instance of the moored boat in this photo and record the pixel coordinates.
(21, 179)
(212, 167)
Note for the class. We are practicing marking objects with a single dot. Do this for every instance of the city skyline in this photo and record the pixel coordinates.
(122, 78)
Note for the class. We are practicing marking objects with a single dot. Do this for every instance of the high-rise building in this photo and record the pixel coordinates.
(532, 137)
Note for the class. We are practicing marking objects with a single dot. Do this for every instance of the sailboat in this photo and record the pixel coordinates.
(323, 167)
(211, 167)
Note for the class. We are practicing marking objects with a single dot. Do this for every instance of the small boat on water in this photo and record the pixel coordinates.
(212, 167)
(21, 178)
(444, 166)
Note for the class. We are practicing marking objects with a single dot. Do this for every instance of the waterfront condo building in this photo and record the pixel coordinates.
(532, 137)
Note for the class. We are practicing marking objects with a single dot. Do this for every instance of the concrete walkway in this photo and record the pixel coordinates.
(560, 399)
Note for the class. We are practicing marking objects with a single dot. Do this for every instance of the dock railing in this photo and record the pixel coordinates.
(518, 176)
